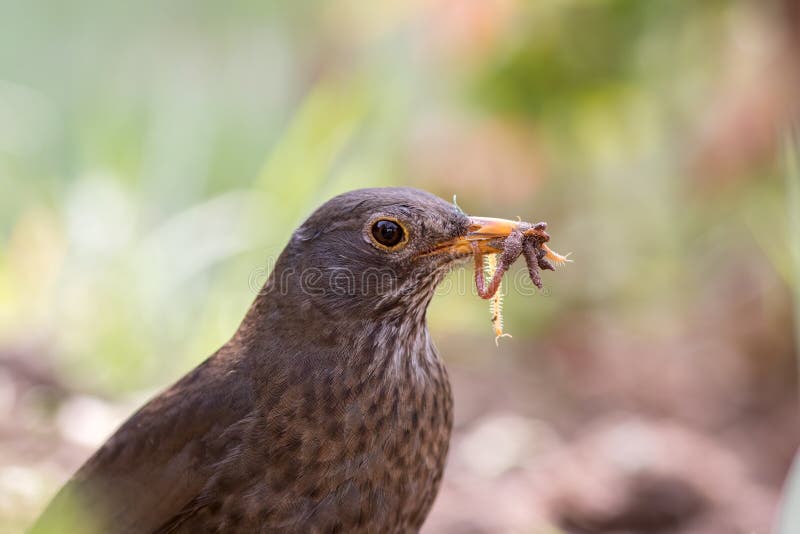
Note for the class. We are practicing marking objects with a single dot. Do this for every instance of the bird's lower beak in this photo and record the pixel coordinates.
(488, 233)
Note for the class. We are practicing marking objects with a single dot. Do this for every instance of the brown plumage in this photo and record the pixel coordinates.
(328, 411)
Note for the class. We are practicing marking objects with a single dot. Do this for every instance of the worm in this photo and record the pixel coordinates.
(512, 248)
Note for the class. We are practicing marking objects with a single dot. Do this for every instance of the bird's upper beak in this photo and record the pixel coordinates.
(488, 233)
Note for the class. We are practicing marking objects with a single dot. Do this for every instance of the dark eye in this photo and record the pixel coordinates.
(387, 233)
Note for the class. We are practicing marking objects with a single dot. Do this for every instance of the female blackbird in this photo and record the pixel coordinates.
(328, 411)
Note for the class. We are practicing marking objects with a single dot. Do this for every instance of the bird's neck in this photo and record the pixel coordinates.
(394, 345)
(399, 350)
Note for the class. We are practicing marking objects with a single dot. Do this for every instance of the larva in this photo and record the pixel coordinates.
(496, 304)
(554, 256)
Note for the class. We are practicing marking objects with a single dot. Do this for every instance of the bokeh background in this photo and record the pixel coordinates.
(155, 156)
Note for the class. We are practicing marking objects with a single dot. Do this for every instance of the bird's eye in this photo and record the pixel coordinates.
(388, 233)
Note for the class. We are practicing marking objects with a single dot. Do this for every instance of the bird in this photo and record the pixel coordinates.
(329, 410)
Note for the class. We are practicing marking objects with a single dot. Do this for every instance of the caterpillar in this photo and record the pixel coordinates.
(496, 304)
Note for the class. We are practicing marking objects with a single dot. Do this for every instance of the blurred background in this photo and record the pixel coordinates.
(154, 157)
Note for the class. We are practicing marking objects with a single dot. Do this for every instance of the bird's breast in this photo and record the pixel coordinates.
(361, 445)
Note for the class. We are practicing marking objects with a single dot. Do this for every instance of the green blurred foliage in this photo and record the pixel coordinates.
(580, 50)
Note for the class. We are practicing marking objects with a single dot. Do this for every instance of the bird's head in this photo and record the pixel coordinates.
(373, 252)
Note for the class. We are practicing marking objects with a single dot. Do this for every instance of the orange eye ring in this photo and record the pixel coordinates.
(387, 233)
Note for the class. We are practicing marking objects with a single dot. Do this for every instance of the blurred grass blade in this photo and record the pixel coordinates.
(793, 198)
(789, 518)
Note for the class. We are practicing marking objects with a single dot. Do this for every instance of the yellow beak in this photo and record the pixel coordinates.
(488, 233)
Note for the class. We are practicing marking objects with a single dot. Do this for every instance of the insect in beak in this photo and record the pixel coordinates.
(496, 244)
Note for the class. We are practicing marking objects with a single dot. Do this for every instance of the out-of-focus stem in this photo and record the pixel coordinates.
(788, 520)
(792, 171)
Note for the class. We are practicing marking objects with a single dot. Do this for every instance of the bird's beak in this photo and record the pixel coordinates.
(488, 233)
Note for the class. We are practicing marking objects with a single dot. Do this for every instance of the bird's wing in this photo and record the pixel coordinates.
(159, 459)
